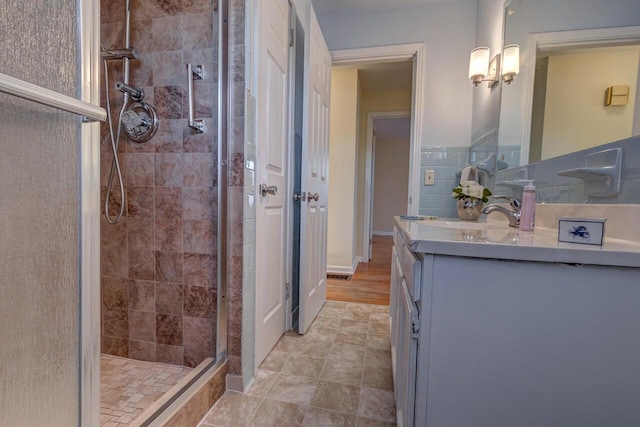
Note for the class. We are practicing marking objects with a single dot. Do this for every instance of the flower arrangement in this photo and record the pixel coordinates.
(471, 190)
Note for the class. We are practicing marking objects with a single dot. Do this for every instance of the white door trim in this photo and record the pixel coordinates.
(554, 41)
(368, 178)
(291, 168)
(400, 52)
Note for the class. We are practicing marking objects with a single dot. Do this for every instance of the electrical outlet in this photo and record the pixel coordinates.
(429, 177)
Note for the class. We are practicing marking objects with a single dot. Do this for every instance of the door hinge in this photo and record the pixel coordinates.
(287, 291)
(292, 37)
(415, 326)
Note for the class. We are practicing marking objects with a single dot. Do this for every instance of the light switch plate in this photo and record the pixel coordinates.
(429, 177)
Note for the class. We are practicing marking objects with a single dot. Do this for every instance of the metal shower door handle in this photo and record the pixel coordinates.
(313, 196)
(194, 72)
(268, 189)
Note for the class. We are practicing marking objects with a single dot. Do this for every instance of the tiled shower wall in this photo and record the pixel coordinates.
(159, 262)
(241, 213)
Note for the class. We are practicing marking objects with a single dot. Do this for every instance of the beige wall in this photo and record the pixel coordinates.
(575, 117)
(342, 160)
(390, 183)
(373, 101)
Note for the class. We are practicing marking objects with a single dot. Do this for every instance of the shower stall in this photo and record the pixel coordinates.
(113, 250)
(160, 246)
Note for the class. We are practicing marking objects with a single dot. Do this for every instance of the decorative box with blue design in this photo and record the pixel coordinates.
(584, 231)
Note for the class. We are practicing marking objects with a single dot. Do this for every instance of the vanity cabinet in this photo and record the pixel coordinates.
(495, 342)
(405, 277)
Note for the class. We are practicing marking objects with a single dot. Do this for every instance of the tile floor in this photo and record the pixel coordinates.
(129, 386)
(337, 374)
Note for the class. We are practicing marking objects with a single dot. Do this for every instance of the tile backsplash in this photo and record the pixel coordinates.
(445, 162)
(554, 188)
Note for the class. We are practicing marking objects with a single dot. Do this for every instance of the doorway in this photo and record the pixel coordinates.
(375, 68)
(388, 157)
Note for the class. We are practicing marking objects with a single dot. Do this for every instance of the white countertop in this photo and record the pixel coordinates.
(503, 242)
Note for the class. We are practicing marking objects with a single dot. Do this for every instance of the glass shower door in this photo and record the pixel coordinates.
(45, 217)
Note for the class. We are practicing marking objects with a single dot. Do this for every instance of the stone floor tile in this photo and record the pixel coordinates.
(262, 383)
(346, 351)
(129, 386)
(293, 389)
(352, 337)
(377, 377)
(272, 413)
(303, 365)
(381, 342)
(233, 409)
(319, 333)
(343, 371)
(316, 417)
(377, 404)
(366, 422)
(275, 361)
(336, 397)
(377, 358)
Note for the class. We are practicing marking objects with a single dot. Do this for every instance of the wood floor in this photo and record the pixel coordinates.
(370, 284)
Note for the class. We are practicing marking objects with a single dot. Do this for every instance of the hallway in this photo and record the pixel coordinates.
(370, 284)
(338, 374)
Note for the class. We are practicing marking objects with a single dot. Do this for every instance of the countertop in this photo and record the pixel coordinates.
(503, 242)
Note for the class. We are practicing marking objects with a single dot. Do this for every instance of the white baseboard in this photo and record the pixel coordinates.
(382, 233)
(342, 269)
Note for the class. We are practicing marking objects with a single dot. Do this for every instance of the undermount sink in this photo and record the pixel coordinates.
(465, 225)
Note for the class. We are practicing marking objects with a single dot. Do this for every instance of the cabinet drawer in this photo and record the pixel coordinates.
(411, 269)
(398, 241)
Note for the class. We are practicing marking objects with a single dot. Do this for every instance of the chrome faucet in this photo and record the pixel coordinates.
(512, 215)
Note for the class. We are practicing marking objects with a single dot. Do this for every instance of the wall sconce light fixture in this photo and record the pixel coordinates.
(511, 62)
(478, 64)
(480, 69)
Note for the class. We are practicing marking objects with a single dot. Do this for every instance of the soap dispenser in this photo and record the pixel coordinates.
(528, 210)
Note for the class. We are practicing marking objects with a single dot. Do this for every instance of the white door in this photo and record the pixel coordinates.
(315, 168)
(271, 146)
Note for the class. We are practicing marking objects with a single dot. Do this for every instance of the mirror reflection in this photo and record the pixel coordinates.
(557, 105)
(574, 106)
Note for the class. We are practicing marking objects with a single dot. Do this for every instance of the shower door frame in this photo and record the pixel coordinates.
(88, 15)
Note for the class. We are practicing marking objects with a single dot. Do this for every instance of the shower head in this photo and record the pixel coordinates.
(130, 53)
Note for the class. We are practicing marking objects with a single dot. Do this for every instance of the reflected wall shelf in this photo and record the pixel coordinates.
(601, 175)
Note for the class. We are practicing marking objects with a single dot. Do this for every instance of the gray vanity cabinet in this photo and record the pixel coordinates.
(493, 342)
(405, 270)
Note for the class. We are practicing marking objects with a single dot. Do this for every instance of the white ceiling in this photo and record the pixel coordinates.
(325, 7)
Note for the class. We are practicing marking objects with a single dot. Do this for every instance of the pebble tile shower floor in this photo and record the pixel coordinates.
(130, 386)
(337, 374)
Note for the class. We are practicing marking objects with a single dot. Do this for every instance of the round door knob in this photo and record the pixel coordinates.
(314, 197)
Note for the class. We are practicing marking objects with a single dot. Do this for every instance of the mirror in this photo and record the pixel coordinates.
(570, 53)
